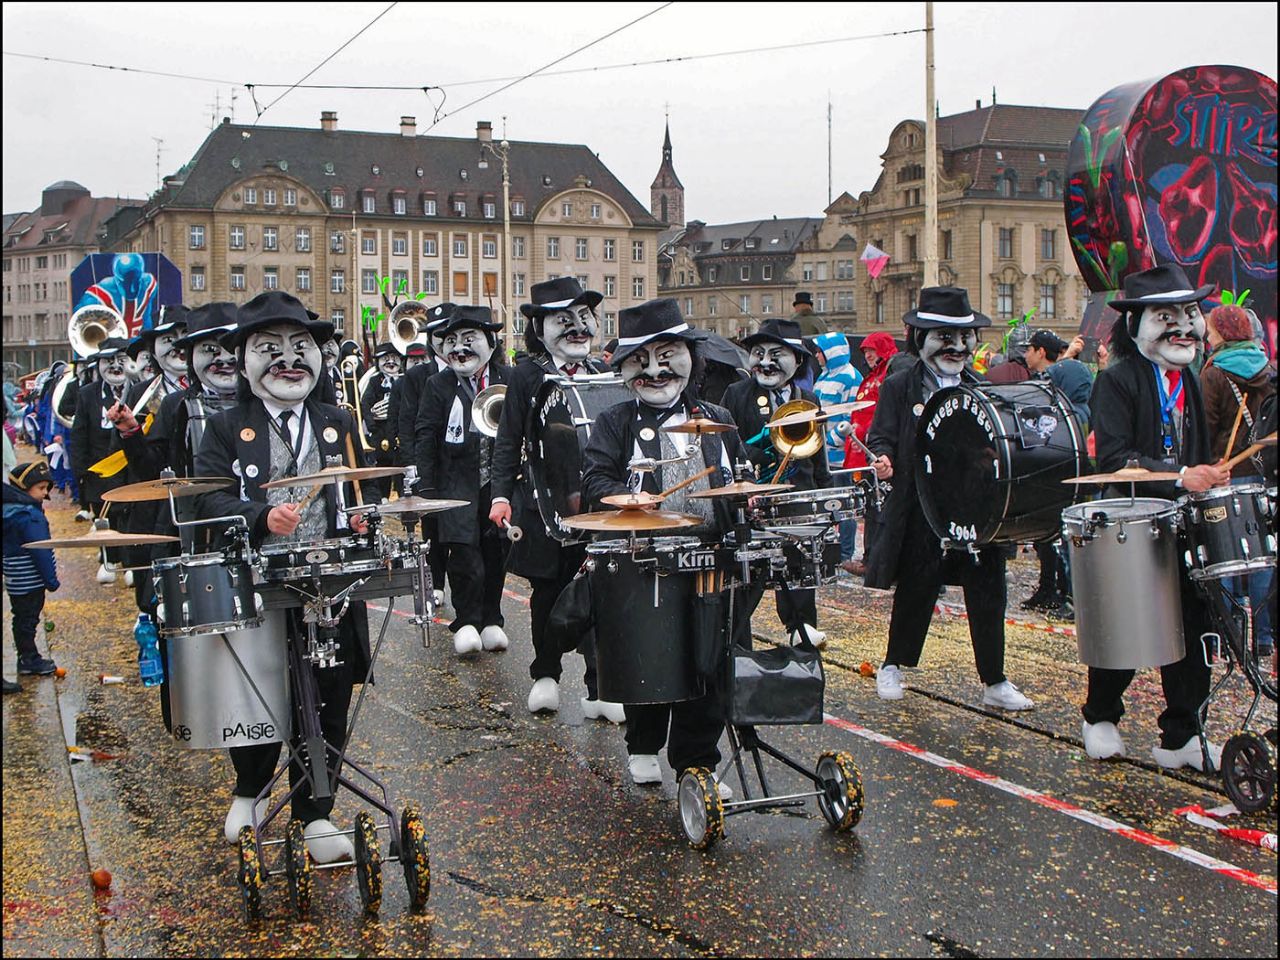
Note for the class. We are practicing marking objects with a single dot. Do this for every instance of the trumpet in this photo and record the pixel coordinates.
(351, 394)
(486, 409)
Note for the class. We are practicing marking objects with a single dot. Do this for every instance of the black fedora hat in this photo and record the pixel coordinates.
(945, 307)
(210, 320)
(1164, 284)
(138, 344)
(478, 318)
(386, 348)
(272, 307)
(437, 315)
(110, 347)
(777, 330)
(558, 294)
(653, 320)
(172, 316)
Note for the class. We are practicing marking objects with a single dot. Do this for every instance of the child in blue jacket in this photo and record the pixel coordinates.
(28, 573)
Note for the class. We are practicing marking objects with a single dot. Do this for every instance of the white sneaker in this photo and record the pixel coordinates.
(437, 597)
(83, 515)
(545, 695)
(603, 710)
(817, 637)
(325, 844)
(725, 791)
(1006, 696)
(494, 638)
(1102, 740)
(1188, 755)
(467, 640)
(128, 579)
(106, 574)
(644, 768)
(241, 815)
(889, 682)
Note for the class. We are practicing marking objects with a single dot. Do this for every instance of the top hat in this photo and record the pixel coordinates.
(209, 320)
(558, 294)
(777, 330)
(478, 318)
(273, 307)
(945, 307)
(1163, 284)
(805, 298)
(655, 320)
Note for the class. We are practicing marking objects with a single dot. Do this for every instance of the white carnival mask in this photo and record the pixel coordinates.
(113, 370)
(568, 334)
(389, 365)
(947, 352)
(1169, 333)
(171, 358)
(466, 350)
(658, 372)
(329, 350)
(214, 365)
(281, 363)
(773, 365)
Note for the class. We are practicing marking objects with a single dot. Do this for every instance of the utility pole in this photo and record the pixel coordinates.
(502, 151)
(828, 148)
(930, 157)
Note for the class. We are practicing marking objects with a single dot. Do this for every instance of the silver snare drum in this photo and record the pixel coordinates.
(282, 562)
(1124, 579)
(1229, 531)
(783, 512)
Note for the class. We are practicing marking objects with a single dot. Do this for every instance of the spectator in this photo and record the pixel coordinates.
(28, 573)
(1048, 355)
(838, 384)
(879, 350)
(1014, 369)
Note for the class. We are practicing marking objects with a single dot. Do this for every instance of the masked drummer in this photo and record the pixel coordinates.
(375, 409)
(658, 357)
(777, 356)
(280, 430)
(455, 462)
(942, 333)
(561, 326)
(1147, 406)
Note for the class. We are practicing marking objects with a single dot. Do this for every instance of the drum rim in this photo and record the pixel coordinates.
(198, 560)
(804, 496)
(1217, 493)
(1229, 568)
(275, 549)
(1172, 508)
(640, 544)
(212, 629)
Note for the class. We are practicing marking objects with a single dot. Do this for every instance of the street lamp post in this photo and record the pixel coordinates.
(502, 151)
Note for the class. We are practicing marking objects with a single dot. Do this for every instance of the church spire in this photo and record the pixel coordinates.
(666, 145)
(666, 193)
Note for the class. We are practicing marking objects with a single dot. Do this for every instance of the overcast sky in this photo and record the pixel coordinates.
(749, 131)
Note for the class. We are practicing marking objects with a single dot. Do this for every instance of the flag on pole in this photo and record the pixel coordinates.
(875, 259)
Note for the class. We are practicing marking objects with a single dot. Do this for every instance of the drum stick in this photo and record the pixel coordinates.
(1248, 452)
(781, 467)
(1235, 427)
(684, 483)
(351, 459)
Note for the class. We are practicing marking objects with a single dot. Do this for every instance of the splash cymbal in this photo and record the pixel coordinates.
(632, 501)
(417, 505)
(102, 536)
(1126, 475)
(608, 521)
(840, 409)
(335, 475)
(161, 488)
(742, 488)
(793, 419)
(700, 425)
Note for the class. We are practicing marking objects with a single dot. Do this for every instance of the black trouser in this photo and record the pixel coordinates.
(1053, 575)
(796, 607)
(438, 555)
(1185, 683)
(477, 575)
(922, 572)
(545, 592)
(26, 617)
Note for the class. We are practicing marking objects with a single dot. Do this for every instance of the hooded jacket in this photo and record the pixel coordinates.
(26, 571)
(1240, 364)
(838, 384)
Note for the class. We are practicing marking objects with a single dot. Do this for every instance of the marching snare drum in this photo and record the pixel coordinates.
(381, 564)
(991, 458)
(205, 593)
(295, 560)
(1124, 580)
(786, 512)
(1228, 531)
(212, 700)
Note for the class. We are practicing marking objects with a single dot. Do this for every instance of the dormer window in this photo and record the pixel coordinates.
(753, 242)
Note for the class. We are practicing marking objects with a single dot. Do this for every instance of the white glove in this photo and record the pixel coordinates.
(381, 408)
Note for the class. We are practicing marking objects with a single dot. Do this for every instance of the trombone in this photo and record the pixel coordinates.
(351, 389)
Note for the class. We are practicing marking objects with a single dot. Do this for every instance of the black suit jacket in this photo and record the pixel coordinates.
(743, 401)
(404, 407)
(380, 431)
(91, 441)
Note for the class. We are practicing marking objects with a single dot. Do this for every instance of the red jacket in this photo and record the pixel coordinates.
(861, 419)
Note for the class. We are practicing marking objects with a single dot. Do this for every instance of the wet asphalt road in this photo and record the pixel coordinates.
(541, 845)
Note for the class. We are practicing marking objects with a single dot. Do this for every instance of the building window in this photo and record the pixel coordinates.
(237, 278)
(713, 305)
(517, 208)
(270, 278)
(399, 244)
(822, 270)
(197, 278)
(806, 272)
(820, 302)
(744, 274)
(398, 205)
(428, 208)
(368, 281)
(368, 243)
(595, 211)
(712, 274)
(553, 248)
(1048, 188)
(879, 308)
(580, 248)
(844, 269)
(913, 247)
(637, 251)
(1005, 246)
(337, 282)
(489, 247)
(1048, 244)
(566, 209)
(610, 286)
(290, 197)
(460, 283)
(459, 208)
(196, 237)
(518, 285)
(766, 271)
(251, 196)
(370, 204)
(610, 249)
(237, 238)
(302, 239)
(1004, 186)
(844, 301)
(338, 316)
(688, 306)
(744, 303)
(303, 280)
(460, 245)
(431, 282)
(517, 247)
(946, 244)
(766, 303)
(490, 210)
(400, 283)
(1048, 300)
(269, 197)
(337, 199)
(637, 288)
(270, 238)
(337, 242)
(1004, 300)
(610, 325)
(430, 245)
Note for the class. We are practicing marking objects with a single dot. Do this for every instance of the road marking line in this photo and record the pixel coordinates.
(1062, 806)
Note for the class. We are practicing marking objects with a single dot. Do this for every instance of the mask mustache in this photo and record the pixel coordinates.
(647, 380)
(280, 366)
(462, 356)
(768, 369)
(1189, 334)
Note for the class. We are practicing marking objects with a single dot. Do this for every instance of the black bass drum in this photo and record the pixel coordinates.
(990, 461)
(560, 421)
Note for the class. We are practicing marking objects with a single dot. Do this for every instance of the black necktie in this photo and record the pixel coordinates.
(285, 433)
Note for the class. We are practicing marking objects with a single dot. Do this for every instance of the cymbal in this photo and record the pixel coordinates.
(804, 416)
(608, 521)
(161, 488)
(632, 501)
(839, 409)
(1126, 475)
(102, 537)
(742, 488)
(391, 508)
(334, 475)
(700, 425)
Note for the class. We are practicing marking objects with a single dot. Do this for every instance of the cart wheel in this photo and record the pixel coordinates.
(368, 863)
(297, 868)
(415, 857)
(1249, 771)
(250, 877)
(841, 800)
(701, 809)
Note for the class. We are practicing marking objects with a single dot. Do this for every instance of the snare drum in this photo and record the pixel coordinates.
(800, 562)
(296, 560)
(1124, 580)
(206, 593)
(785, 512)
(1228, 531)
(383, 565)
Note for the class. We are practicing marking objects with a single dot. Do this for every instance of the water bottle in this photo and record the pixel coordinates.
(150, 666)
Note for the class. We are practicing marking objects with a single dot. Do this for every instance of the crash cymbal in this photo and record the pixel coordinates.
(1125, 475)
(420, 505)
(804, 416)
(700, 425)
(632, 501)
(335, 475)
(102, 536)
(611, 521)
(742, 488)
(160, 489)
(840, 409)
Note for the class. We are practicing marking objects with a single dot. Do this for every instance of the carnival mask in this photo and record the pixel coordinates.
(658, 372)
(214, 365)
(467, 350)
(281, 363)
(136, 369)
(946, 352)
(1169, 333)
(171, 358)
(329, 350)
(112, 370)
(389, 365)
(568, 333)
(411, 362)
(773, 365)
